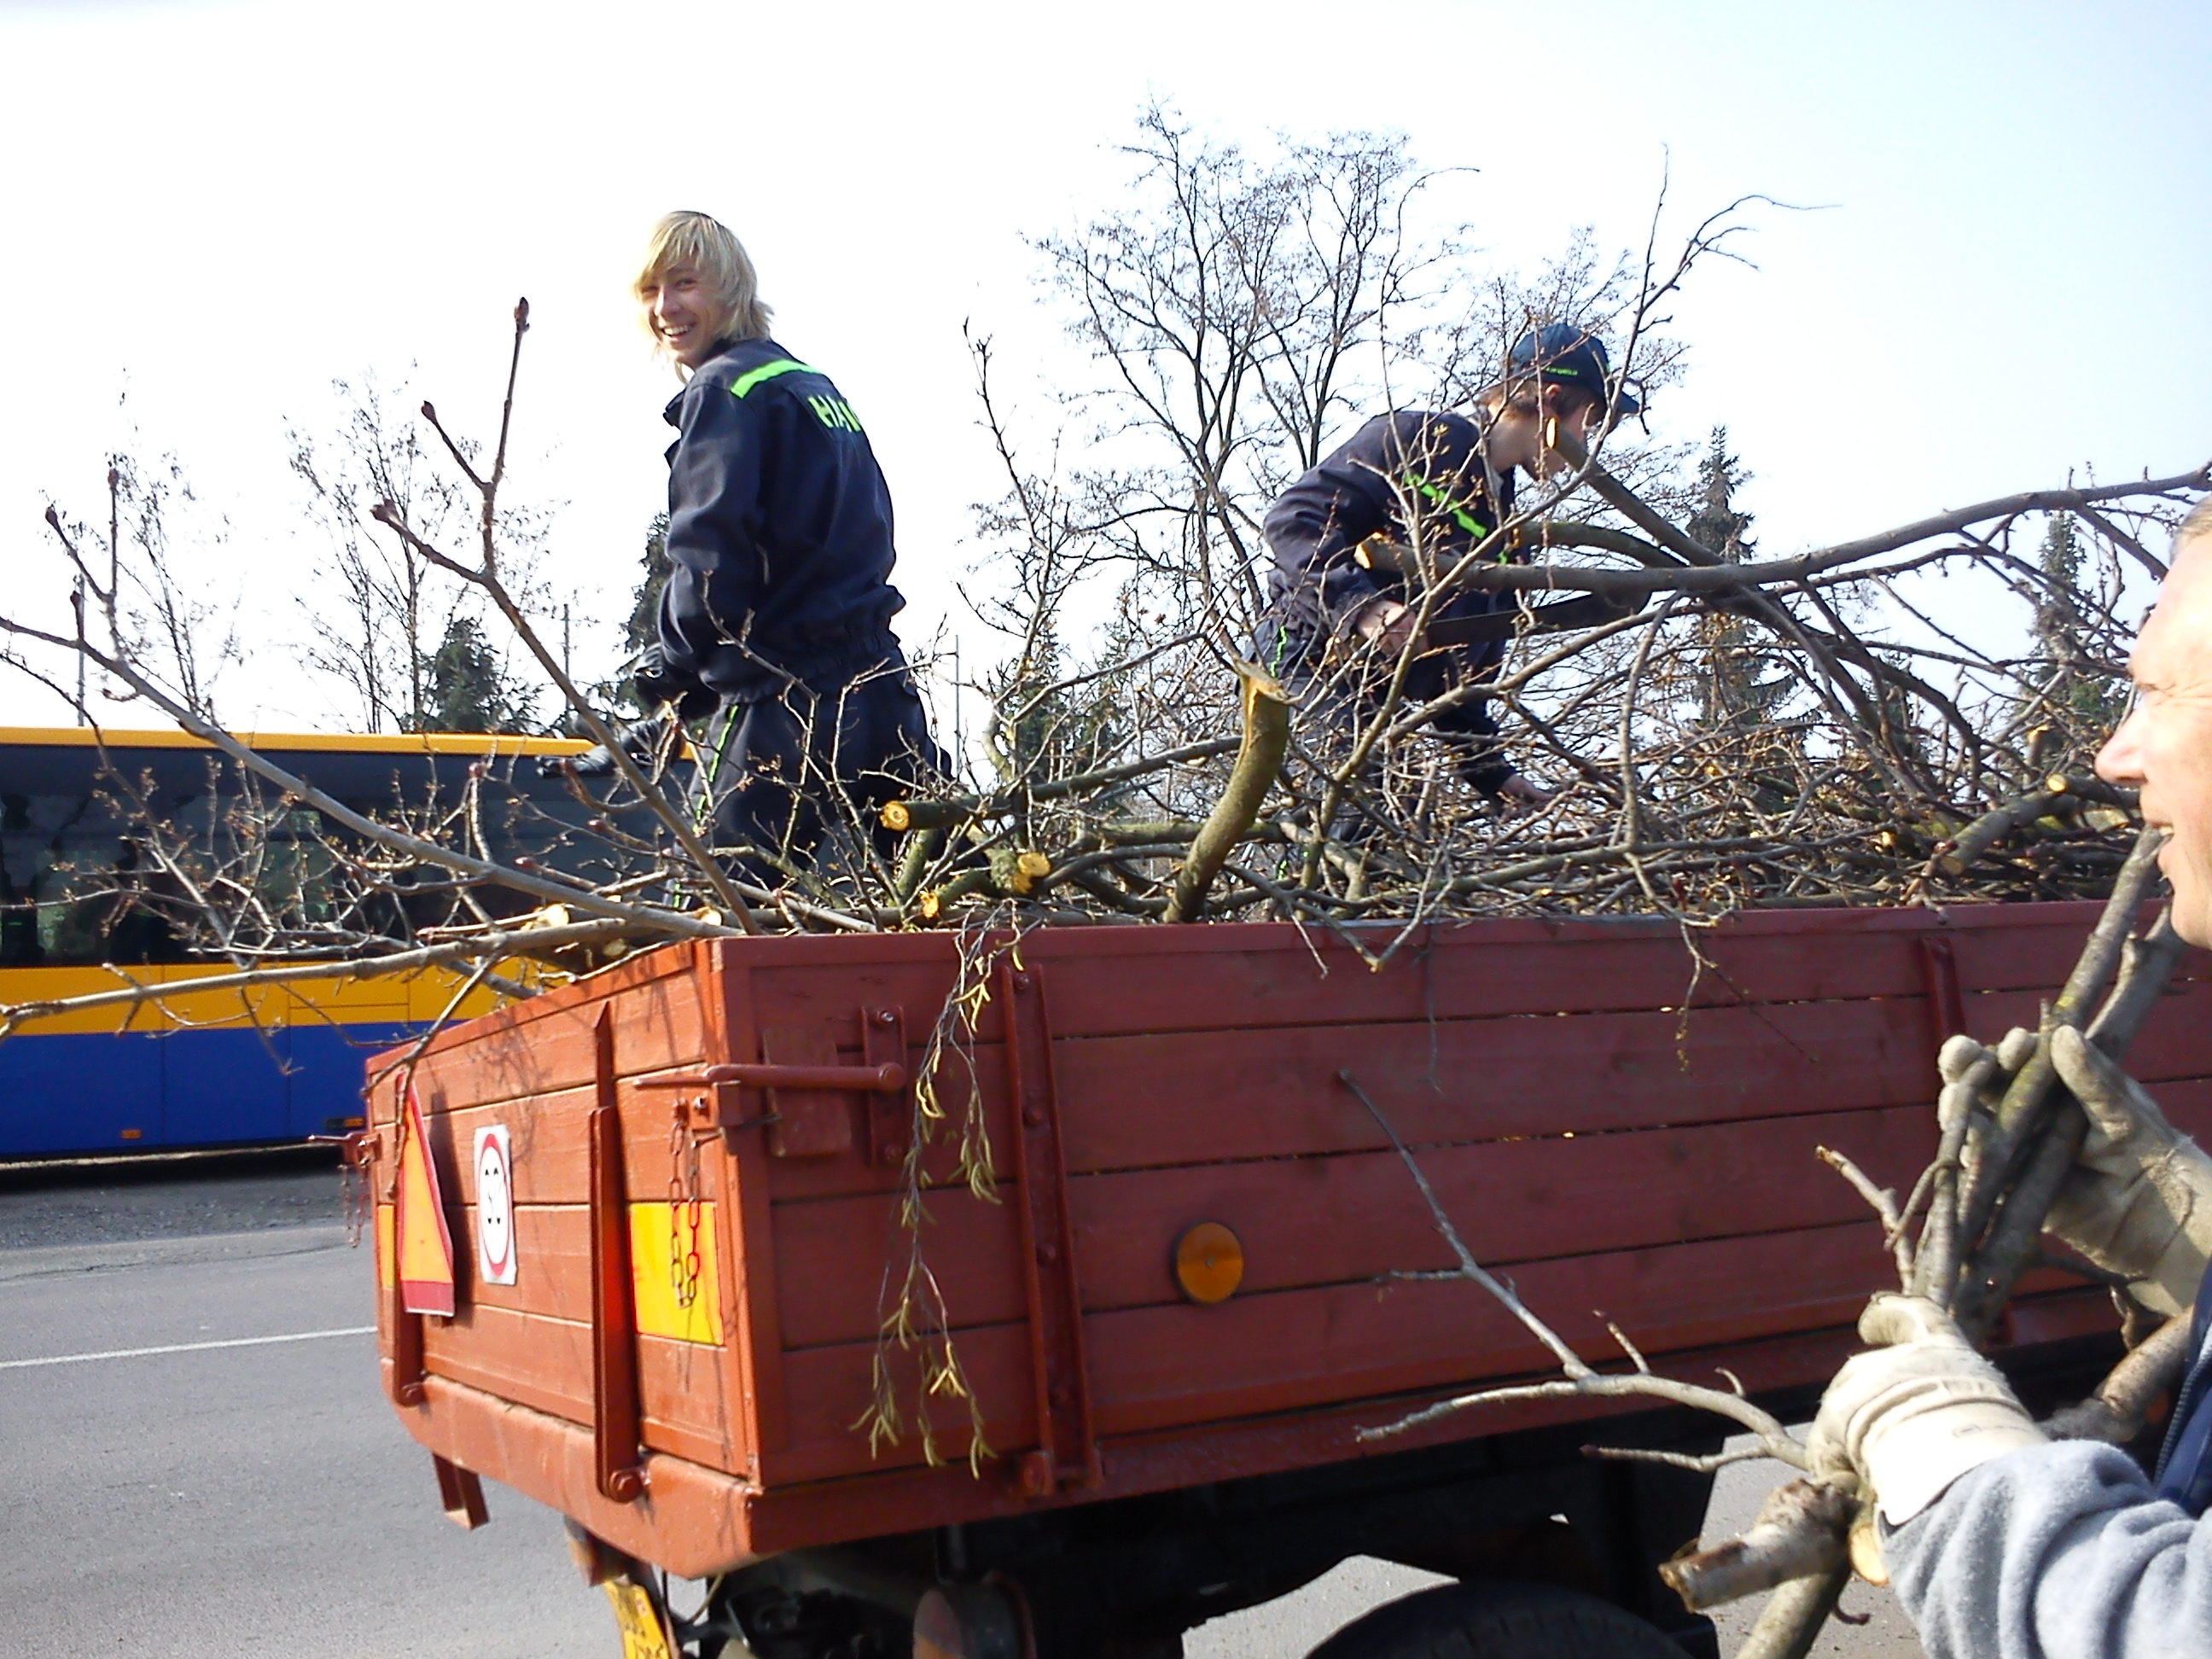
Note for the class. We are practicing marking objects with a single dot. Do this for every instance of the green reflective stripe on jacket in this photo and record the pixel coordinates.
(1461, 516)
(752, 377)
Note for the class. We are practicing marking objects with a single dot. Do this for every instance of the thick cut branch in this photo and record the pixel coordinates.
(1985, 831)
(1799, 1531)
(2118, 1411)
(1259, 764)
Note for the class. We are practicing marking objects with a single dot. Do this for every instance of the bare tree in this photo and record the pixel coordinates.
(377, 612)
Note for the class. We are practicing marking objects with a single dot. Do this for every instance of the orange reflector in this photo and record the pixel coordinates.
(1209, 1262)
(133, 1134)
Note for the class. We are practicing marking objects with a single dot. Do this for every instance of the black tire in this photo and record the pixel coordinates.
(1498, 1619)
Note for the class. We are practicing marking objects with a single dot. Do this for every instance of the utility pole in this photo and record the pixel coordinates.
(76, 600)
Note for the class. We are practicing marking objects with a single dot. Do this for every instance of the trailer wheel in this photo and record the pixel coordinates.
(1498, 1619)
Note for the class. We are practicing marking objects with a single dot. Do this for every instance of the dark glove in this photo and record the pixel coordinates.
(658, 684)
(640, 739)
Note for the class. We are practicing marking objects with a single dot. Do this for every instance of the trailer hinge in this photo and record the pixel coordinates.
(802, 1080)
(618, 1419)
(1939, 968)
(1067, 1454)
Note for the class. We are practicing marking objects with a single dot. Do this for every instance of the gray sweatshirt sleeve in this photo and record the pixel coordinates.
(2058, 1552)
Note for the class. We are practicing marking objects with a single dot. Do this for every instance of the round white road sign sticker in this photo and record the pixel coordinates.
(495, 1206)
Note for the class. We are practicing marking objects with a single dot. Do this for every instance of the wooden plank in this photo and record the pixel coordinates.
(2171, 1043)
(498, 1058)
(1168, 1363)
(1146, 980)
(1184, 1366)
(2188, 1104)
(829, 1390)
(694, 1522)
(830, 1256)
(911, 1498)
(546, 1364)
(1133, 1101)
(1193, 1097)
(508, 1025)
(553, 1257)
(1467, 976)
(549, 1152)
(1271, 1093)
(1354, 1218)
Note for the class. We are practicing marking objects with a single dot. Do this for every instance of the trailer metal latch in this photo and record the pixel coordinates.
(888, 1079)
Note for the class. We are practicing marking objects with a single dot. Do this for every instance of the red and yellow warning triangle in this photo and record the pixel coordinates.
(425, 1243)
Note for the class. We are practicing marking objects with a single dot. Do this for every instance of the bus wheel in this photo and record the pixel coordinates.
(1498, 1619)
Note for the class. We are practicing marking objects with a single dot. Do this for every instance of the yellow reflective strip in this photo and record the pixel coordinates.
(654, 1275)
(752, 377)
(387, 1246)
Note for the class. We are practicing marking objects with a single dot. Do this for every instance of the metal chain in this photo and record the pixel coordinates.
(684, 1201)
(356, 1156)
(691, 1268)
(675, 1139)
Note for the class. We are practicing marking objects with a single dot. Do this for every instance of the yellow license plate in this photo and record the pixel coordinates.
(643, 1634)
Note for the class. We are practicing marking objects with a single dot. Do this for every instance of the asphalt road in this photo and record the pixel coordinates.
(260, 1501)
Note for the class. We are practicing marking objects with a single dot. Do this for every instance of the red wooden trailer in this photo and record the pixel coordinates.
(705, 1148)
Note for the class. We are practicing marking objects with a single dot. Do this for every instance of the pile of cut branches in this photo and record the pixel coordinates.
(1907, 716)
(1721, 733)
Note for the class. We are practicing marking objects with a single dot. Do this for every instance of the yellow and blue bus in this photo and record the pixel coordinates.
(222, 1068)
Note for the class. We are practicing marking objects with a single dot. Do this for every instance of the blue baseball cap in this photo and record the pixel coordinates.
(1571, 356)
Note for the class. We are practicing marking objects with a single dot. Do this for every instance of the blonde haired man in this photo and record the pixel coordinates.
(776, 616)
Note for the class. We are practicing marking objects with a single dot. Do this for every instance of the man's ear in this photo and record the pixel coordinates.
(1564, 402)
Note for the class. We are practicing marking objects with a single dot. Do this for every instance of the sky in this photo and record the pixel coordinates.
(211, 210)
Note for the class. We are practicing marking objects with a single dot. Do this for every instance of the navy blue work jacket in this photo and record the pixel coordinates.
(779, 531)
(1419, 477)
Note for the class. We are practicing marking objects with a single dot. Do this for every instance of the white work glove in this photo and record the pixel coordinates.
(1908, 1418)
(2138, 1201)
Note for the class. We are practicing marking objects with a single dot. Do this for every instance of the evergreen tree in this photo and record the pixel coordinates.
(640, 629)
(2094, 699)
(1717, 524)
(1734, 694)
(467, 688)
(643, 626)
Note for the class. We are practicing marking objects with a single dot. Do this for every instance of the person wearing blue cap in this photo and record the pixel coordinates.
(1438, 483)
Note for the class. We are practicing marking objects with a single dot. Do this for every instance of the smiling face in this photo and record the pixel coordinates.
(683, 312)
(2164, 747)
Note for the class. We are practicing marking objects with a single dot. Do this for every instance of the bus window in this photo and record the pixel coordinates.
(88, 912)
